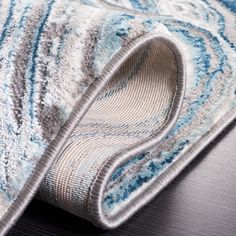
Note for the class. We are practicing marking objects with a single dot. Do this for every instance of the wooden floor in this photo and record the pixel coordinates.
(201, 201)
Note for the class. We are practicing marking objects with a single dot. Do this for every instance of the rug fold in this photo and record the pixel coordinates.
(103, 102)
(138, 103)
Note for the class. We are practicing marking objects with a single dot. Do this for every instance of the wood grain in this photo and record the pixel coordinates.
(201, 201)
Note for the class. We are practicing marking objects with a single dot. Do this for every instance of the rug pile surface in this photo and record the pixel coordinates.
(104, 102)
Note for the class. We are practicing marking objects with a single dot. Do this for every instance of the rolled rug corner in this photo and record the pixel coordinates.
(138, 99)
(103, 102)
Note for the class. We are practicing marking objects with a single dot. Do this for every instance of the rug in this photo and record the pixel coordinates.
(103, 103)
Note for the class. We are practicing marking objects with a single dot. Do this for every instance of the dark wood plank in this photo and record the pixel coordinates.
(201, 201)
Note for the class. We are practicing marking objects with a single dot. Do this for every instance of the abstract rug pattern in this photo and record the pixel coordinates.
(104, 102)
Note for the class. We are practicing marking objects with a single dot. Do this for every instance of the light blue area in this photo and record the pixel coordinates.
(231, 4)
(110, 39)
(221, 25)
(202, 66)
(147, 6)
(145, 174)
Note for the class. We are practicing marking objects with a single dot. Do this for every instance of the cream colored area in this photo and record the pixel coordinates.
(139, 102)
(147, 93)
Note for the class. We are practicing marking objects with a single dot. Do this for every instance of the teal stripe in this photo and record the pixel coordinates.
(7, 22)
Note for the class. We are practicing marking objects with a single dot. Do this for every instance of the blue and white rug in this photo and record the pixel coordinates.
(104, 102)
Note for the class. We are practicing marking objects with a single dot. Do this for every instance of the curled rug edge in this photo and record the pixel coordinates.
(79, 110)
(154, 187)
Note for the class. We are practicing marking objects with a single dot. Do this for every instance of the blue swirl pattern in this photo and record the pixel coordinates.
(52, 51)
